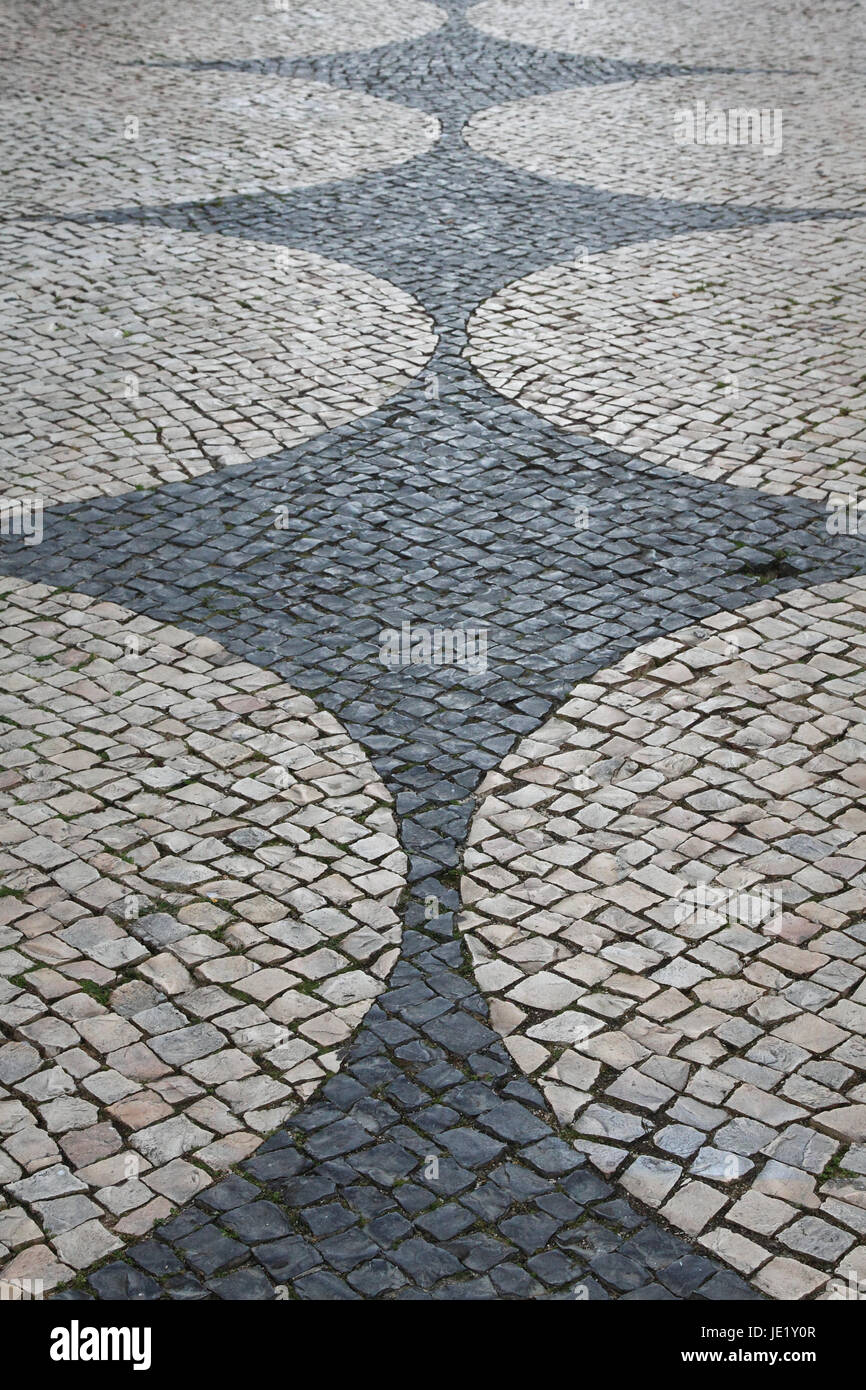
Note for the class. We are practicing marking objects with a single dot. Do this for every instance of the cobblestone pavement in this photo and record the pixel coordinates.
(192, 134)
(535, 970)
(632, 858)
(210, 986)
(355, 341)
(753, 372)
(673, 30)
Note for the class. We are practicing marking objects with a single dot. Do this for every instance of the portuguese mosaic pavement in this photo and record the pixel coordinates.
(433, 717)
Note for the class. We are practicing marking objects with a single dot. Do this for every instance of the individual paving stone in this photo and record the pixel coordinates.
(124, 1283)
(16, 1228)
(789, 1184)
(141, 1110)
(552, 1268)
(680, 1140)
(269, 1166)
(446, 1221)
(692, 1207)
(85, 1244)
(650, 1179)
(789, 1279)
(847, 1123)
(586, 1187)
(14, 1116)
(223, 1153)
(386, 1230)
(208, 1250)
(288, 1258)
(68, 1113)
(188, 1044)
(723, 1167)
(727, 1287)
(817, 1239)
(802, 1148)
(461, 1034)
(376, 1277)
(322, 1285)
(552, 1156)
(636, 1089)
(107, 1034)
(744, 1136)
(64, 1213)
(339, 1138)
(156, 1258)
(242, 1285)
(620, 1212)
(328, 1219)
(812, 1033)
(142, 1218)
(545, 991)
(347, 1250)
(390, 1163)
(470, 1147)
(562, 1208)
(686, 1276)
(36, 1262)
(178, 1181)
(169, 1139)
(480, 1252)
(619, 1125)
(486, 1200)
(424, 1263)
(17, 1060)
(56, 1181)
(529, 1233)
(617, 1269)
(735, 1249)
(513, 1121)
(761, 1214)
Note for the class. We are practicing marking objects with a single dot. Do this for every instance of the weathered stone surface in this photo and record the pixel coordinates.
(146, 1043)
(665, 859)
